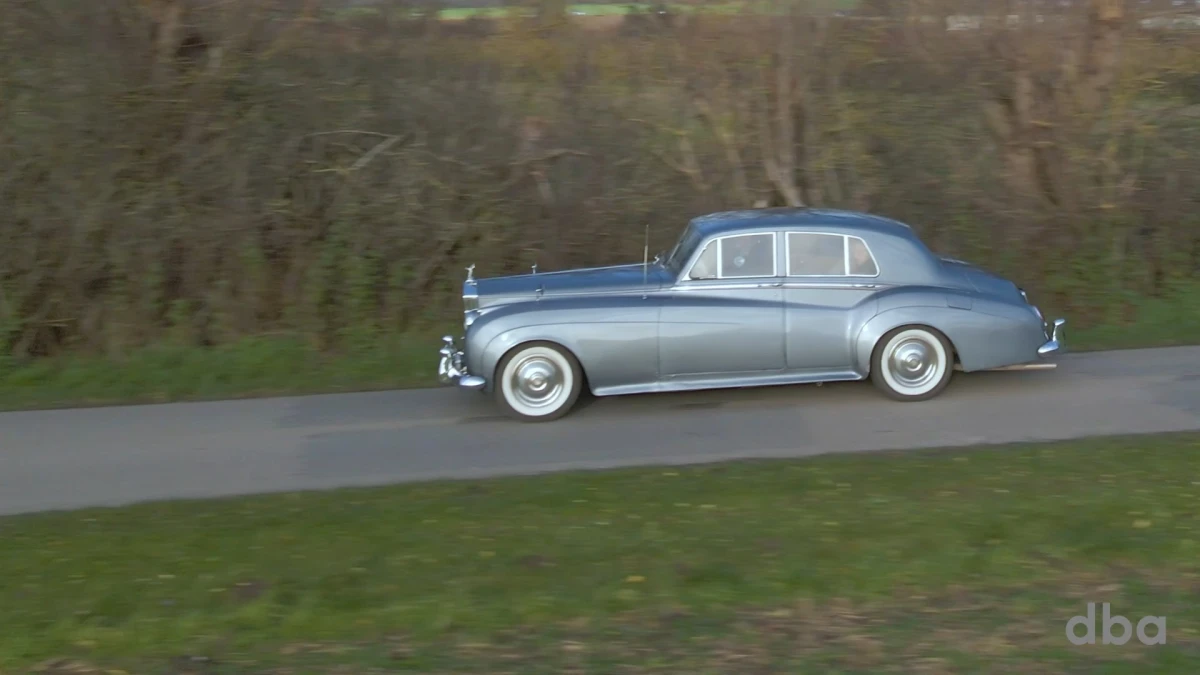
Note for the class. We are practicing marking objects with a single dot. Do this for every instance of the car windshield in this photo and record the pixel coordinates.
(683, 250)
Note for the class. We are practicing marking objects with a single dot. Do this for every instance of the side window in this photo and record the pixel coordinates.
(862, 263)
(736, 257)
(813, 254)
(748, 255)
(706, 265)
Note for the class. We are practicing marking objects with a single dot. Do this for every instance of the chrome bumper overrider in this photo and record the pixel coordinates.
(452, 370)
(1053, 339)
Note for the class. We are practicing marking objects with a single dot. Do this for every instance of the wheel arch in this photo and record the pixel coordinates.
(527, 342)
(495, 355)
(870, 336)
(879, 341)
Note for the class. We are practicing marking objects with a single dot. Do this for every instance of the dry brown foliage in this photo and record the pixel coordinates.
(203, 171)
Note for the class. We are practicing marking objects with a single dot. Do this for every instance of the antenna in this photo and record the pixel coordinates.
(645, 260)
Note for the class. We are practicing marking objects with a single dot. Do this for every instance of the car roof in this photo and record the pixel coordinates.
(726, 222)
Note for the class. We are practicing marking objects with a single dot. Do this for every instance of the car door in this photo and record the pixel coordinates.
(829, 291)
(724, 316)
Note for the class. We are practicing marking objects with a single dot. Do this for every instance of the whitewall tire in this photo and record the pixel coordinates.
(912, 363)
(538, 382)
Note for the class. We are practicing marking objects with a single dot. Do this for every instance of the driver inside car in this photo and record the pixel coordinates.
(749, 256)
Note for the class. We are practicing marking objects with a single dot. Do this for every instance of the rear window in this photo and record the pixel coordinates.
(819, 254)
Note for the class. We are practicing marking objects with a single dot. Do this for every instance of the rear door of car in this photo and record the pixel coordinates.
(828, 291)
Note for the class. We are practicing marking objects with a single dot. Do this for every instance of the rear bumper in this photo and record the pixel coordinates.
(452, 368)
(1054, 341)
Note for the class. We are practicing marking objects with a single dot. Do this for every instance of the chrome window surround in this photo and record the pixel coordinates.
(787, 252)
(720, 254)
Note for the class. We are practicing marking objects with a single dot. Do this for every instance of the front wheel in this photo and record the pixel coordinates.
(912, 363)
(538, 382)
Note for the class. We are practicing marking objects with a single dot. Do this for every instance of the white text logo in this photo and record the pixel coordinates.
(1111, 622)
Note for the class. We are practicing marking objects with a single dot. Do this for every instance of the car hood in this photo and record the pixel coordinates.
(617, 279)
(981, 280)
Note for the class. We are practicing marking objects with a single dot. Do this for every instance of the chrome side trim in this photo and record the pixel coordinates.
(730, 381)
(452, 370)
(816, 284)
(776, 282)
(700, 286)
(1025, 366)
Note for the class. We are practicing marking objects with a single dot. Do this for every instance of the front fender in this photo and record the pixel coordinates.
(989, 335)
(615, 339)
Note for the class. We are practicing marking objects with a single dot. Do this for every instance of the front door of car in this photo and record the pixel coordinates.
(725, 316)
(829, 293)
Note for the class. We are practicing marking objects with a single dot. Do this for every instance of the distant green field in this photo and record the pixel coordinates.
(612, 9)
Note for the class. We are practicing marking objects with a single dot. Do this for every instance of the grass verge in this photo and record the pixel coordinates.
(264, 366)
(291, 365)
(942, 561)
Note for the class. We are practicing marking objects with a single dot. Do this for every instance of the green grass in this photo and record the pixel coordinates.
(1170, 320)
(252, 367)
(290, 365)
(940, 561)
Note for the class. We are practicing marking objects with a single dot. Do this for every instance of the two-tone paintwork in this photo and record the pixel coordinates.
(647, 327)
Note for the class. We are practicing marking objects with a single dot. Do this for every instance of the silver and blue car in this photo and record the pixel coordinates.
(746, 298)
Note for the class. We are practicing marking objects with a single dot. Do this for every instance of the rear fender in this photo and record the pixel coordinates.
(990, 335)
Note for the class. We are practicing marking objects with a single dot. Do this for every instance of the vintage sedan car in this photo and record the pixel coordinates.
(744, 299)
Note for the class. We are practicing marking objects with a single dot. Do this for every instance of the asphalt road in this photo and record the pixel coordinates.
(111, 456)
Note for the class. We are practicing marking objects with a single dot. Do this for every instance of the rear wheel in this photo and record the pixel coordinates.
(538, 382)
(912, 363)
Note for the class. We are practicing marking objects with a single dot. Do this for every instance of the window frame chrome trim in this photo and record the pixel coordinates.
(787, 259)
(719, 241)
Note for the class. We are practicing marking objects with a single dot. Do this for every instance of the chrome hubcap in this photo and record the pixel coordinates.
(913, 363)
(536, 382)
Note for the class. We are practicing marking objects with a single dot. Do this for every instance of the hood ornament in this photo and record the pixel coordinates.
(471, 272)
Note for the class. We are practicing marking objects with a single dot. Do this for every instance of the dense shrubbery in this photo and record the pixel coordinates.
(241, 170)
